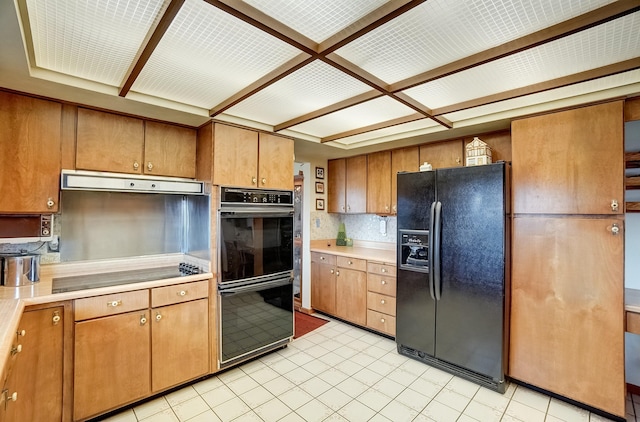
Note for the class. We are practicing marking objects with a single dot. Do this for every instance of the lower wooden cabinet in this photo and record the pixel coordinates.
(111, 363)
(351, 288)
(381, 297)
(36, 375)
(323, 282)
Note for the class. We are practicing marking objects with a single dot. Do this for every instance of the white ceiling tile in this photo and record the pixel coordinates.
(315, 86)
(316, 19)
(94, 40)
(387, 134)
(596, 47)
(442, 31)
(207, 55)
(365, 114)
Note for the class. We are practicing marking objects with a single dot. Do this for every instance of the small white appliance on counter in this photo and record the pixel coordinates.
(26, 228)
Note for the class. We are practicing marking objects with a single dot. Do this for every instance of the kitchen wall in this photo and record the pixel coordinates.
(358, 226)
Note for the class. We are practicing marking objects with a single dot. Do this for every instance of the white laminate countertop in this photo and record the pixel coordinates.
(632, 300)
(13, 300)
(371, 251)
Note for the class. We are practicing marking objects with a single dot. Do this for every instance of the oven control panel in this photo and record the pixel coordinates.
(230, 195)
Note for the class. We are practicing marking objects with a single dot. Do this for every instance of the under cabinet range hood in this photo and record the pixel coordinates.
(118, 182)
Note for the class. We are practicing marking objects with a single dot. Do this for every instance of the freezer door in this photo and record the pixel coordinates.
(415, 312)
(470, 313)
(416, 193)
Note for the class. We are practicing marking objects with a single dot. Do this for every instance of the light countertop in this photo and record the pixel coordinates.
(371, 251)
(13, 300)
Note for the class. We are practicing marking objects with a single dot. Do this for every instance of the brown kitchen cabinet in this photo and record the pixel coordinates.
(379, 183)
(570, 162)
(351, 290)
(347, 185)
(37, 372)
(30, 135)
(115, 143)
(404, 159)
(567, 309)
(323, 282)
(233, 156)
(112, 352)
(381, 297)
(500, 143)
(443, 154)
(179, 334)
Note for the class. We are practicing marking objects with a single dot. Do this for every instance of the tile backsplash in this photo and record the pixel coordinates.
(358, 226)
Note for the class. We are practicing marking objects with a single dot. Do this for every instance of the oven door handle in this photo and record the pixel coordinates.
(256, 212)
(256, 287)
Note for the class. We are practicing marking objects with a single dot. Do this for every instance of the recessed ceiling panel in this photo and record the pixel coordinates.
(315, 86)
(596, 47)
(316, 19)
(442, 31)
(94, 40)
(365, 114)
(571, 91)
(386, 134)
(207, 55)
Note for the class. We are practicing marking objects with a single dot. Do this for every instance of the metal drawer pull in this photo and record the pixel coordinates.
(56, 318)
(322, 258)
(182, 293)
(384, 270)
(383, 282)
(382, 320)
(16, 350)
(143, 319)
(114, 303)
(332, 271)
(158, 317)
(349, 262)
(13, 397)
(21, 332)
(382, 301)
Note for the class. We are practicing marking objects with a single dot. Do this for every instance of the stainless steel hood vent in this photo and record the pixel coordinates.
(117, 182)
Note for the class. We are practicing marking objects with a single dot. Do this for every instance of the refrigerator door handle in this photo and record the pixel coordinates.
(437, 242)
(430, 257)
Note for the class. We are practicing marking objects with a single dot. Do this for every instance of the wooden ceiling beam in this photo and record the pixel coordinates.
(576, 78)
(154, 35)
(579, 23)
(370, 128)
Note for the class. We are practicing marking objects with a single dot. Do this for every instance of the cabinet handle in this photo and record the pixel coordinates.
(56, 318)
(182, 293)
(143, 319)
(136, 165)
(50, 203)
(615, 229)
(348, 207)
(342, 208)
(337, 272)
(114, 303)
(382, 320)
(383, 282)
(21, 333)
(149, 166)
(254, 180)
(322, 258)
(264, 181)
(158, 316)
(394, 208)
(382, 301)
(12, 397)
(17, 349)
(384, 270)
(332, 271)
(386, 207)
(614, 205)
(350, 263)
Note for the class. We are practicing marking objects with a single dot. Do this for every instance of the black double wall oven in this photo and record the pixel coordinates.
(255, 272)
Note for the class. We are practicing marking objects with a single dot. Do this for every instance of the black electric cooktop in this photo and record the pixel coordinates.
(94, 281)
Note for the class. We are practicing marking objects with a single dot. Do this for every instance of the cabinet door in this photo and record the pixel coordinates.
(567, 328)
(337, 185)
(30, 131)
(37, 373)
(111, 363)
(169, 150)
(323, 287)
(443, 154)
(351, 295)
(179, 343)
(275, 162)
(571, 162)
(109, 142)
(356, 193)
(379, 183)
(235, 156)
(405, 159)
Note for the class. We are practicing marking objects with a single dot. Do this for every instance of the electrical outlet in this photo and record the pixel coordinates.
(317, 222)
(383, 227)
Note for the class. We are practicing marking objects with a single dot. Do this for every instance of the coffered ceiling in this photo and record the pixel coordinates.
(346, 73)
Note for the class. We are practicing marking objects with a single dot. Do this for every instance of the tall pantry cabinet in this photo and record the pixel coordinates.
(567, 333)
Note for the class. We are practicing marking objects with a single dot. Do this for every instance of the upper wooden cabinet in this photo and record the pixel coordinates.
(347, 186)
(443, 154)
(570, 162)
(405, 159)
(233, 156)
(500, 143)
(121, 144)
(30, 133)
(379, 183)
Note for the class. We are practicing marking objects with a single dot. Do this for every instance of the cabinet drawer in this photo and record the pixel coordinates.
(353, 263)
(117, 303)
(381, 322)
(381, 284)
(380, 268)
(632, 322)
(381, 303)
(323, 258)
(161, 296)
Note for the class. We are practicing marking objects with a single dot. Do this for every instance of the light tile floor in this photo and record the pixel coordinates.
(342, 373)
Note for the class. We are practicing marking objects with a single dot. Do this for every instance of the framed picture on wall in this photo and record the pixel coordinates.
(319, 172)
(320, 204)
(319, 187)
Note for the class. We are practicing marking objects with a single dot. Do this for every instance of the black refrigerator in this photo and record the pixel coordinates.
(453, 270)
